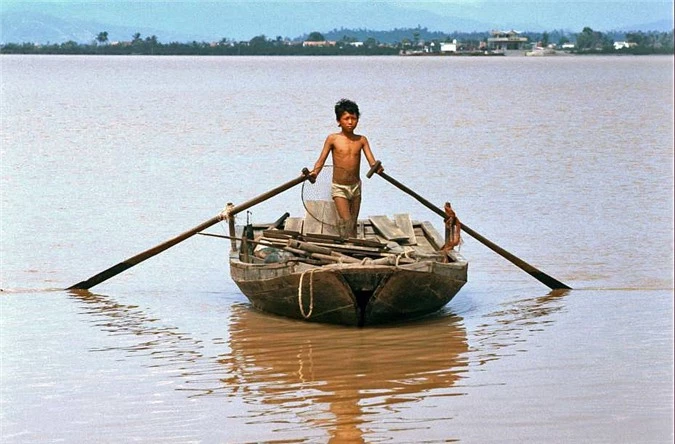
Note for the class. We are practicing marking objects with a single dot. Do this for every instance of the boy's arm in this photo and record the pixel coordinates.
(327, 146)
(369, 154)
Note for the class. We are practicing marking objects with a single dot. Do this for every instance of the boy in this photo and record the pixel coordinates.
(346, 148)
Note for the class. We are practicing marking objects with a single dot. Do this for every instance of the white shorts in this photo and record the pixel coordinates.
(348, 192)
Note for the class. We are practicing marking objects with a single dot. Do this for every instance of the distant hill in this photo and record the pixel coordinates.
(34, 27)
(396, 35)
(660, 26)
(205, 21)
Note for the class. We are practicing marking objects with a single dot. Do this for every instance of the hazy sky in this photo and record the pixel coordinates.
(427, 4)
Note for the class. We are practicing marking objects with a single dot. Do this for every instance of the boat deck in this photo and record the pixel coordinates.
(379, 239)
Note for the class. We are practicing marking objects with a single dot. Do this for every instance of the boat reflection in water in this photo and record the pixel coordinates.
(310, 379)
(341, 370)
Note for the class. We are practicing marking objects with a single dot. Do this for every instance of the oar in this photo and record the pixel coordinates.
(134, 260)
(542, 277)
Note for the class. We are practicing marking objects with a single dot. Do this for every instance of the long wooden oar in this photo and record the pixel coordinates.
(134, 260)
(542, 277)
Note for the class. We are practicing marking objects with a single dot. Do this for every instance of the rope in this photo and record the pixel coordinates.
(311, 293)
(227, 212)
(399, 256)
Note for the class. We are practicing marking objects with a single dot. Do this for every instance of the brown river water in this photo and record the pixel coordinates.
(567, 162)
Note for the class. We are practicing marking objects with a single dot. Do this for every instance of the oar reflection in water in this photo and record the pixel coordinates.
(514, 322)
(137, 333)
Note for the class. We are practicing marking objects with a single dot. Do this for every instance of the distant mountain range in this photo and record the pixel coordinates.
(185, 21)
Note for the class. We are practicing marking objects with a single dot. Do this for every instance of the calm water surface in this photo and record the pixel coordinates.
(566, 162)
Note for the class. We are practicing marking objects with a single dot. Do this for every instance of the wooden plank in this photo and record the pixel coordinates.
(311, 223)
(310, 247)
(433, 235)
(424, 247)
(422, 241)
(365, 242)
(387, 228)
(426, 251)
(281, 234)
(370, 234)
(329, 217)
(320, 217)
(276, 234)
(316, 237)
(354, 249)
(293, 224)
(271, 242)
(405, 224)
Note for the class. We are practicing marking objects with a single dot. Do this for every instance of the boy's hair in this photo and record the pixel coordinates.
(346, 105)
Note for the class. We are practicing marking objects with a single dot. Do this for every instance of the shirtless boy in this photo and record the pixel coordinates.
(346, 148)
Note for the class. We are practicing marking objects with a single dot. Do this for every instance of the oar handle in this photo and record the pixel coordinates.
(271, 193)
(420, 199)
(373, 169)
(542, 277)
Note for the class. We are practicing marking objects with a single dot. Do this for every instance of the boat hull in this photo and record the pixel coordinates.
(350, 294)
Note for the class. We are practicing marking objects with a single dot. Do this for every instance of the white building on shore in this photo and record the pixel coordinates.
(505, 41)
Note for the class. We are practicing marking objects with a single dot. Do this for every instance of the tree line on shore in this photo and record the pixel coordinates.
(351, 42)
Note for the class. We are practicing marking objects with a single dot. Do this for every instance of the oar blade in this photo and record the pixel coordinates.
(147, 254)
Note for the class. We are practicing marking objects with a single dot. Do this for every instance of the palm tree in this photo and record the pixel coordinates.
(316, 36)
(102, 37)
(152, 41)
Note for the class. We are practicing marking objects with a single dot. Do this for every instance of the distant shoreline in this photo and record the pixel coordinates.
(511, 42)
(426, 55)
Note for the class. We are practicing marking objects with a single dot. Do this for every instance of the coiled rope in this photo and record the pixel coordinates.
(311, 293)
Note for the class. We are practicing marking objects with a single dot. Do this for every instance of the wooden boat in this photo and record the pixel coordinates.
(389, 271)
(393, 270)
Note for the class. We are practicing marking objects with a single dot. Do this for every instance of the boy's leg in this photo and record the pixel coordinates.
(343, 207)
(344, 215)
(354, 208)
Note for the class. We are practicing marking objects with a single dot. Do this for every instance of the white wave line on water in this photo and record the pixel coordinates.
(28, 290)
(624, 289)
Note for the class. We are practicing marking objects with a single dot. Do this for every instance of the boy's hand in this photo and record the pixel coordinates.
(376, 168)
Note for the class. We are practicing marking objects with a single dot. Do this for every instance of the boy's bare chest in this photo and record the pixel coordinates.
(346, 147)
